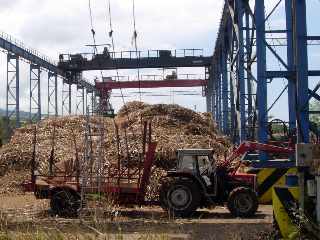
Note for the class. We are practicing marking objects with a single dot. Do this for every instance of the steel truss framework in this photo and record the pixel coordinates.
(52, 94)
(12, 96)
(81, 101)
(93, 103)
(35, 93)
(238, 86)
(66, 98)
(16, 50)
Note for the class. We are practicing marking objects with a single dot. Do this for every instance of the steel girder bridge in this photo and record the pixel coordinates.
(16, 51)
(240, 76)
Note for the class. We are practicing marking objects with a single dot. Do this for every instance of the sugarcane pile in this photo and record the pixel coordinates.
(119, 140)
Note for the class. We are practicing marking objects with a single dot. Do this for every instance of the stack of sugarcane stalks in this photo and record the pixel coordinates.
(60, 141)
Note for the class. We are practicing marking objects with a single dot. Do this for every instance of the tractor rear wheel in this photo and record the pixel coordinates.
(64, 203)
(242, 202)
(182, 198)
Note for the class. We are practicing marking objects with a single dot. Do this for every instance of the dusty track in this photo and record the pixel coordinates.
(23, 213)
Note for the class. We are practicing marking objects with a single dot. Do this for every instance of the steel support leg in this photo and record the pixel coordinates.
(35, 93)
(70, 99)
(217, 86)
(251, 130)
(233, 115)
(240, 70)
(12, 94)
(220, 98)
(85, 107)
(290, 63)
(209, 90)
(301, 63)
(66, 98)
(80, 101)
(52, 94)
(93, 103)
(261, 72)
(224, 71)
(213, 94)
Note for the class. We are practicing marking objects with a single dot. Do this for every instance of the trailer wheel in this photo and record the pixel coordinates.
(182, 198)
(242, 202)
(64, 203)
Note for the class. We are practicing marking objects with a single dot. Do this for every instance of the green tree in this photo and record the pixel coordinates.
(315, 106)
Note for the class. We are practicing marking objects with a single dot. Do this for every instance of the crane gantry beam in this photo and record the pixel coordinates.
(107, 86)
(132, 60)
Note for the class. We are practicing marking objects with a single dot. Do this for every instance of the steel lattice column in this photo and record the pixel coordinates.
(66, 98)
(290, 63)
(250, 129)
(301, 63)
(233, 115)
(240, 71)
(93, 102)
(80, 101)
(219, 96)
(213, 93)
(87, 107)
(261, 75)
(52, 94)
(35, 93)
(12, 95)
(224, 75)
(208, 90)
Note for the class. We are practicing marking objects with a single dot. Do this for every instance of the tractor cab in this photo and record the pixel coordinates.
(198, 162)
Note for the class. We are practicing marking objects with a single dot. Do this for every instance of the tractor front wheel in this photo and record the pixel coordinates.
(242, 202)
(182, 198)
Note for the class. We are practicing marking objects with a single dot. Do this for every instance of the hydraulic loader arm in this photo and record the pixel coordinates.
(255, 146)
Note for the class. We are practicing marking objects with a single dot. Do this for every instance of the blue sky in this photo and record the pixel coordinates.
(58, 26)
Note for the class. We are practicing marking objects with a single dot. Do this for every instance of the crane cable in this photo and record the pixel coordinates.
(110, 34)
(95, 49)
(93, 32)
(135, 35)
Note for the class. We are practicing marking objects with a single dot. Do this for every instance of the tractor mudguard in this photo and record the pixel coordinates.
(67, 188)
(192, 177)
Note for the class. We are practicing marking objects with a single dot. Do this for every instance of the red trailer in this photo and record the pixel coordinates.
(67, 192)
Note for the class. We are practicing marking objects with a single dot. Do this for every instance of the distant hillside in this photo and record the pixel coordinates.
(23, 115)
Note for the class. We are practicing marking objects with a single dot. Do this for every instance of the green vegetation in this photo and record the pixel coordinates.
(5, 133)
(315, 106)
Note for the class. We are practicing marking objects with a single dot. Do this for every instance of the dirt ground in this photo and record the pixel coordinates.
(23, 214)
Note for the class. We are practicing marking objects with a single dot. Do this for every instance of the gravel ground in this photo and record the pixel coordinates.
(23, 214)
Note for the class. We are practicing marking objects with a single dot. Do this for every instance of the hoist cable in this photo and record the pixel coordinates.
(135, 35)
(92, 28)
(110, 34)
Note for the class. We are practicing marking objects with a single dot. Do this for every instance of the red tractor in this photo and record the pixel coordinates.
(198, 182)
